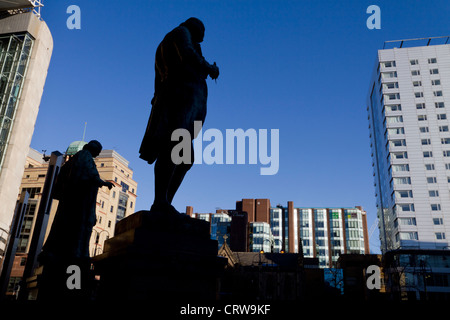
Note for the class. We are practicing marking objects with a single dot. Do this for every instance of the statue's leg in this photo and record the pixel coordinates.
(178, 176)
(164, 170)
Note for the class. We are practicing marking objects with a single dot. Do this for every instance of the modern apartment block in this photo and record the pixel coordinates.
(408, 112)
(322, 233)
(25, 50)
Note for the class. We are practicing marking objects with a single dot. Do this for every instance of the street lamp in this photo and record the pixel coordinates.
(97, 238)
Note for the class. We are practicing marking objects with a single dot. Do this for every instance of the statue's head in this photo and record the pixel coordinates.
(196, 28)
(94, 147)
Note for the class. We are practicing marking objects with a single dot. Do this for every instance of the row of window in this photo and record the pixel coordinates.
(426, 154)
(409, 207)
(413, 62)
(419, 106)
(393, 74)
(420, 117)
(411, 221)
(413, 235)
(418, 94)
(417, 83)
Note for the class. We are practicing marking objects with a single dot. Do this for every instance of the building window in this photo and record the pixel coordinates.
(388, 64)
(398, 143)
(402, 180)
(404, 194)
(422, 117)
(445, 140)
(406, 207)
(420, 105)
(446, 153)
(435, 82)
(429, 166)
(415, 73)
(392, 96)
(447, 166)
(418, 94)
(392, 131)
(424, 129)
(432, 60)
(417, 83)
(112, 209)
(102, 165)
(390, 85)
(15, 55)
(400, 155)
(109, 223)
(437, 93)
(394, 107)
(426, 142)
(400, 167)
(414, 62)
(407, 221)
(439, 104)
(427, 154)
(434, 71)
(409, 236)
(443, 128)
(431, 180)
(389, 75)
(440, 235)
(437, 221)
(433, 193)
(394, 119)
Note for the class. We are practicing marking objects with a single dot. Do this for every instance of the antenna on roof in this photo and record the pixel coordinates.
(84, 132)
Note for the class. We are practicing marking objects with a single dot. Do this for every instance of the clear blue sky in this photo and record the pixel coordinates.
(298, 66)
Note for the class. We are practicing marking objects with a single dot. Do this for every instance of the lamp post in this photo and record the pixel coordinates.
(97, 238)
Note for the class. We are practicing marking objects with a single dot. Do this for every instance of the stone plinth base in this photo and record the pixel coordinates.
(159, 256)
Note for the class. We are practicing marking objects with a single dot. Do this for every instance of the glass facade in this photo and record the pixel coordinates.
(276, 225)
(122, 206)
(15, 53)
(261, 238)
(220, 228)
(327, 232)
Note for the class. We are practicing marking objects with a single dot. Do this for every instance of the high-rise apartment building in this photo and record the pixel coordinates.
(408, 111)
(25, 50)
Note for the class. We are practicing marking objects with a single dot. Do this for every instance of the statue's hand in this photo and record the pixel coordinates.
(109, 185)
(214, 71)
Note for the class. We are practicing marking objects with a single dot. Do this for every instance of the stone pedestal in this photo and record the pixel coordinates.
(159, 256)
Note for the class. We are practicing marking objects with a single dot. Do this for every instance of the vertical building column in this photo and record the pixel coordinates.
(262, 210)
(291, 230)
(344, 235)
(190, 211)
(330, 263)
(248, 205)
(365, 232)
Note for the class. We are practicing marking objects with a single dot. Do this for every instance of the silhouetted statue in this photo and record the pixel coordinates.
(179, 100)
(76, 189)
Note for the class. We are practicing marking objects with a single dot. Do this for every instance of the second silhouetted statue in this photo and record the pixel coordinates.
(179, 100)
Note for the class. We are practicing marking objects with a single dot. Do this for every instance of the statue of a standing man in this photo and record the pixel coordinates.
(179, 100)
